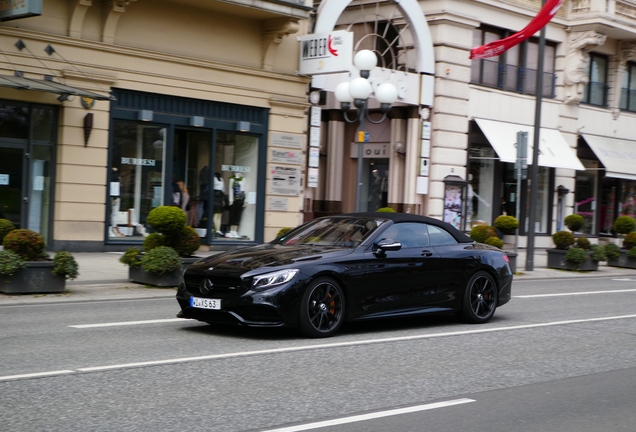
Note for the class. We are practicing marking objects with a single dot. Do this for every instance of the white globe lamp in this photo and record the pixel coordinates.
(365, 60)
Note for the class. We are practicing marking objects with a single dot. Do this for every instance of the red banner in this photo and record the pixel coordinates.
(547, 12)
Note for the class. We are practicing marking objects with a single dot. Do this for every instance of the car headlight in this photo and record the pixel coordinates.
(269, 280)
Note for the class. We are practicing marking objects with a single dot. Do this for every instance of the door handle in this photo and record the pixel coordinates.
(427, 253)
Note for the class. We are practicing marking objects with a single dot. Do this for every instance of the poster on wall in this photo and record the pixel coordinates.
(453, 205)
(285, 180)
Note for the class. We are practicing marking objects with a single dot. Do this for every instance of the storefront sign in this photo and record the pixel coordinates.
(371, 150)
(286, 140)
(236, 168)
(15, 9)
(285, 156)
(314, 157)
(285, 180)
(316, 114)
(137, 161)
(426, 149)
(277, 204)
(323, 53)
(422, 186)
(426, 130)
(314, 137)
(312, 177)
(4, 179)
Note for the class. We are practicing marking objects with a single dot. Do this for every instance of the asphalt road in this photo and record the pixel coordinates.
(561, 356)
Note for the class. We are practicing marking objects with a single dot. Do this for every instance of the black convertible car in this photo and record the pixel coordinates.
(349, 267)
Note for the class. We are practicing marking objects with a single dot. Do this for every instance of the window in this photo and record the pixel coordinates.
(628, 89)
(516, 69)
(481, 181)
(595, 92)
(585, 200)
(440, 237)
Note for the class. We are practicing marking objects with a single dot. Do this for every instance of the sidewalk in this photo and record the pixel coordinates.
(103, 277)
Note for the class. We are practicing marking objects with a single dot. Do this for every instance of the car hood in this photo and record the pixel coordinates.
(268, 255)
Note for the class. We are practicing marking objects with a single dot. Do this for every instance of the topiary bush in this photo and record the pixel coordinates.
(167, 219)
(480, 233)
(162, 259)
(28, 244)
(494, 241)
(385, 210)
(10, 263)
(282, 232)
(65, 265)
(583, 243)
(576, 255)
(574, 222)
(507, 224)
(632, 252)
(629, 241)
(6, 226)
(563, 239)
(624, 225)
(132, 257)
(612, 251)
(598, 253)
(185, 243)
(154, 240)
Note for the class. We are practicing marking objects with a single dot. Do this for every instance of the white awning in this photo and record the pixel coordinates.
(554, 151)
(617, 156)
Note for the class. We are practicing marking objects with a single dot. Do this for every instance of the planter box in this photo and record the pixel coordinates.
(556, 260)
(513, 261)
(623, 261)
(172, 279)
(36, 278)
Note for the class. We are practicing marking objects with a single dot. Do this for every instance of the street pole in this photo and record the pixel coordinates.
(535, 154)
(361, 116)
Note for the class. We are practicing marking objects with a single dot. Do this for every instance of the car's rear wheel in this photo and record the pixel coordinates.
(480, 299)
(322, 308)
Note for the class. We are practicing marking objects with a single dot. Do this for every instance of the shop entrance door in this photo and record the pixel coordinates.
(12, 184)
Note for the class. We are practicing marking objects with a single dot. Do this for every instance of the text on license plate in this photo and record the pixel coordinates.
(205, 303)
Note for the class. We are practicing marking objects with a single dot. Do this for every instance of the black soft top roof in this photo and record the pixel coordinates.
(408, 217)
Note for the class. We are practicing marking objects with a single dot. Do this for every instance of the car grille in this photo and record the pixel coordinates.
(222, 287)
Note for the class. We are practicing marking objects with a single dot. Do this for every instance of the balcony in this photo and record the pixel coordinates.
(614, 18)
(255, 9)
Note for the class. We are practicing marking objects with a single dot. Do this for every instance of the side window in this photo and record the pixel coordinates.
(440, 237)
(409, 234)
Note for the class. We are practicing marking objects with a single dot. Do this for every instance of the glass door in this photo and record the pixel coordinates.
(11, 184)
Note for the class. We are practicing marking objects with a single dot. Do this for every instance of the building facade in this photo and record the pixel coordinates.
(112, 108)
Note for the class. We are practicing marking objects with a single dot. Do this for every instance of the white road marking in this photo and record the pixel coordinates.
(36, 375)
(624, 280)
(371, 416)
(345, 344)
(126, 323)
(573, 294)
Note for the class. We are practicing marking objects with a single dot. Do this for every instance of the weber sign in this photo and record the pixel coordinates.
(324, 53)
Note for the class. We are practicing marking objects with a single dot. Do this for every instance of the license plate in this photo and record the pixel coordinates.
(205, 303)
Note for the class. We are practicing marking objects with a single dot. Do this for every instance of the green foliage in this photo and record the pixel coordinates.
(598, 253)
(5, 227)
(508, 224)
(494, 241)
(480, 233)
(167, 219)
(612, 251)
(576, 255)
(632, 252)
(26, 243)
(185, 243)
(624, 225)
(65, 265)
(385, 210)
(132, 257)
(160, 260)
(282, 232)
(563, 239)
(10, 263)
(629, 241)
(574, 222)
(583, 243)
(154, 240)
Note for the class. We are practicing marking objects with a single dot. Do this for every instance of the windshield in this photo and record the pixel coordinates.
(337, 231)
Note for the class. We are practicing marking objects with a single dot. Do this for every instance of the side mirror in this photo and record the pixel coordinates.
(387, 245)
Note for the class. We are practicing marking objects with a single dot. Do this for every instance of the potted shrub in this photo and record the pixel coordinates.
(173, 242)
(5, 227)
(506, 224)
(574, 222)
(573, 254)
(624, 225)
(480, 233)
(26, 269)
(626, 256)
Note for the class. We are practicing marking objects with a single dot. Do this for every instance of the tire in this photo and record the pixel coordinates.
(322, 308)
(480, 299)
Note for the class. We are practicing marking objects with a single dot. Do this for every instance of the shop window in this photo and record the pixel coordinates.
(595, 92)
(136, 177)
(627, 202)
(585, 200)
(542, 208)
(481, 179)
(628, 89)
(608, 205)
(516, 69)
(14, 121)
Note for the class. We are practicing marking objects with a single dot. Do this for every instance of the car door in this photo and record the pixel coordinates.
(451, 266)
(400, 281)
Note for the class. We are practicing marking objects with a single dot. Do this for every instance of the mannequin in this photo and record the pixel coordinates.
(237, 202)
(219, 198)
(185, 196)
(375, 197)
(115, 185)
(202, 199)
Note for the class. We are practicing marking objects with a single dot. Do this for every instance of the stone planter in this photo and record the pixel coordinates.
(513, 261)
(36, 278)
(623, 261)
(171, 279)
(556, 260)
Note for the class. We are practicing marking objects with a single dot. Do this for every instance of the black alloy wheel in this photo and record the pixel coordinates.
(480, 299)
(322, 308)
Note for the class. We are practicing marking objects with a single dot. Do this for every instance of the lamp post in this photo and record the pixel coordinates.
(358, 91)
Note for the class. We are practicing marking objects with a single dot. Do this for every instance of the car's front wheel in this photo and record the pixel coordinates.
(480, 299)
(322, 308)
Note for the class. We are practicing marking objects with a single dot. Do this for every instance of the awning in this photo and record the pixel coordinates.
(617, 156)
(49, 86)
(554, 151)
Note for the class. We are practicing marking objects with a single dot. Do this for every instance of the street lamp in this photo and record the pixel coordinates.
(358, 91)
